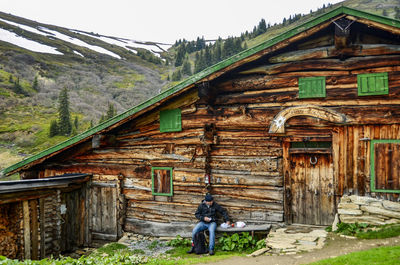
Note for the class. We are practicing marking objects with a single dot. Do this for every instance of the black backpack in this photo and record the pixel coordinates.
(199, 243)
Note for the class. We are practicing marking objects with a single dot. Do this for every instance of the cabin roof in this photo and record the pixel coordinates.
(207, 74)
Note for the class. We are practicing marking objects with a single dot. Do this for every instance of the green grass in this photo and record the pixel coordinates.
(129, 81)
(365, 231)
(382, 255)
(110, 248)
(382, 232)
(28, 127)
(180, 257)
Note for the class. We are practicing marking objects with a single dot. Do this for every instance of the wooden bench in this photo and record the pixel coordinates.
(247, 228)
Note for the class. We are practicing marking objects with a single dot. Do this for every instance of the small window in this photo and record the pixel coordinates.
(385, 166)
(373, 84)
(170, 120)
(312, 87)
(161, 181)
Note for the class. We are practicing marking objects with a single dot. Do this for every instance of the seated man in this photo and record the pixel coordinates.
(206, 213)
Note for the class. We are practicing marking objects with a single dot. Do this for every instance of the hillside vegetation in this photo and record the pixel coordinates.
(99, 71)
(30, 83)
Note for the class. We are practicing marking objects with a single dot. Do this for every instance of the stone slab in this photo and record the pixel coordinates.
(380, 211)
(392, 206)
(349, 212)
(348, 205)
(362, 200)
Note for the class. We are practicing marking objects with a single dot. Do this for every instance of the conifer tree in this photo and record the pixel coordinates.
(111, 112)
(262, 27)
(64, 115)
(217, 54)
(74, 131)
(180, 55)
(200, 63)
(76, 122)
(176, 76)
(186, 68)
(102, 119)
(200, 43)
(229, 48)
(207, 56)
(53, 131)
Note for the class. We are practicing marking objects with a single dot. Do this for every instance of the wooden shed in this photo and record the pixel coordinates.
(43, 217)
(277, 133)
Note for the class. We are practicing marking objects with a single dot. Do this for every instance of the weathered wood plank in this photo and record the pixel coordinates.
(350, 64)
(331, 51)
(27, 230)
(35, 229)
(105, 237)
(42, 228)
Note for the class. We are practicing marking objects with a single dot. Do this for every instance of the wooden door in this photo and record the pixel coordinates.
(103, 211)
(72, 217)
(310, 189)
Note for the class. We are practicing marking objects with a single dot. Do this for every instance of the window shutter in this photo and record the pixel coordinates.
(312, 87)
(170, 120)
(373, 84)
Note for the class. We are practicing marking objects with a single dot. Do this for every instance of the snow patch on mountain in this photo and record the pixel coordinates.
(129, 44)
(22, 42)
(24, 27)
(79, 42)
(78, 53)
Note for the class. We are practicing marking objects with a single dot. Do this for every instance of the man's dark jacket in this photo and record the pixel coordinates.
(210, 211)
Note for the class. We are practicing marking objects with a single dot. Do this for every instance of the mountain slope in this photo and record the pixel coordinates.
(97, 71)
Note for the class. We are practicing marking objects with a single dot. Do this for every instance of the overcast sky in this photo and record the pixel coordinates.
(160, 20)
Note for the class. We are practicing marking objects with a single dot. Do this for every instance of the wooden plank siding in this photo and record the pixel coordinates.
(354, 177)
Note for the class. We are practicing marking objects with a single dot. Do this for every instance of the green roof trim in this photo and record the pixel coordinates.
(203, 74)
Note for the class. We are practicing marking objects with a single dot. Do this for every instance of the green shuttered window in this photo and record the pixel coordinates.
(385, 166)
(170, 120)
(161, 181)
(373, 84)
(312, 87)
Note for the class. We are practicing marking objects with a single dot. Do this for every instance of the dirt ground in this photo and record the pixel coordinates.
(335, 246)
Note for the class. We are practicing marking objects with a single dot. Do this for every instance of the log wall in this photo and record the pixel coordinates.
(225, 132)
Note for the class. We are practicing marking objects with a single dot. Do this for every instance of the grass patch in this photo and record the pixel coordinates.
(382, 255)
(8, 158)
(138, 252)
(153, 245)
(28, 128)
(365, 231)
(111, 248)
(385, 231)
(129, 81)
(180, 257)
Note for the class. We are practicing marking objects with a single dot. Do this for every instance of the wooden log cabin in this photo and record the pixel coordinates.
(277, 133)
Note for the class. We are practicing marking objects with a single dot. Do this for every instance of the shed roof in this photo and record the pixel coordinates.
(44, 183)
(207, 74)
